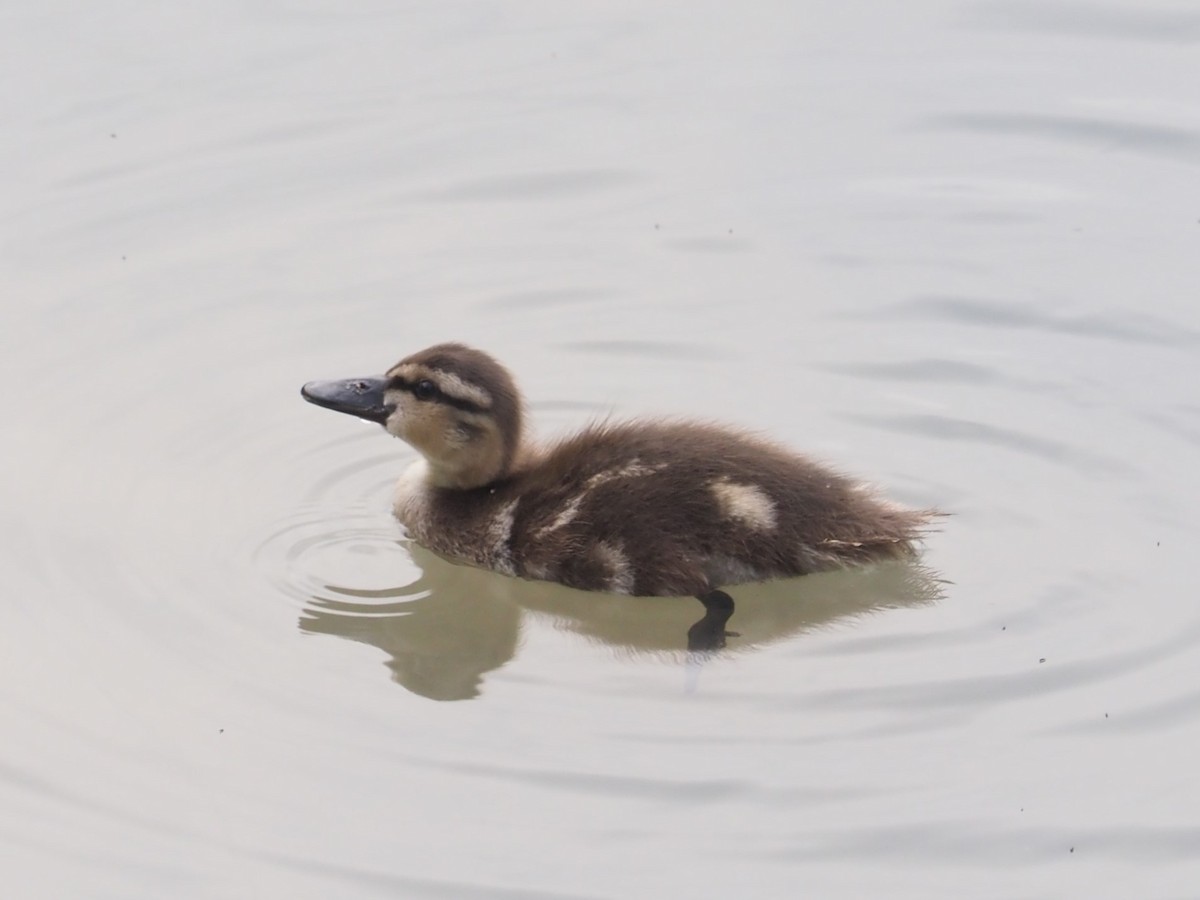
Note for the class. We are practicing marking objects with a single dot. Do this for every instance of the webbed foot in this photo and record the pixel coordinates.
(709, 633)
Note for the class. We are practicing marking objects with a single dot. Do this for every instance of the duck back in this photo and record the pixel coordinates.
(654, 508)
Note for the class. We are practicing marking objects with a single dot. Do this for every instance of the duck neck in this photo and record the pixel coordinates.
(457, 478)
(476, 470)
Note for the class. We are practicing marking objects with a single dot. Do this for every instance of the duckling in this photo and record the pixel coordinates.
(650, 508)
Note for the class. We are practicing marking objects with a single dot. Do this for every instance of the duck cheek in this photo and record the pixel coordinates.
(395, 424)
(462, 435)
(418, 426)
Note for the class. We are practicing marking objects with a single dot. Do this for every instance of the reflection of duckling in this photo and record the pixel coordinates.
(447, 629)
(645, 508)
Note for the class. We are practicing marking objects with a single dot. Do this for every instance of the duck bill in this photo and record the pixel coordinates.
(362, 397)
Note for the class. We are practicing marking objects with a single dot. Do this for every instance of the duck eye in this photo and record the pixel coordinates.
(424, 390)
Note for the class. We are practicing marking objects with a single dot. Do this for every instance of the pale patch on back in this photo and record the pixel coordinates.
(747, 503)
(635, 468)
(565, 517)
(620, 570)
(497, 540)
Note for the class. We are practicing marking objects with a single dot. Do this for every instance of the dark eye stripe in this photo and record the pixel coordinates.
(439, 395)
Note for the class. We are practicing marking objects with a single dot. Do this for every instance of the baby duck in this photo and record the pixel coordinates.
(640, 507)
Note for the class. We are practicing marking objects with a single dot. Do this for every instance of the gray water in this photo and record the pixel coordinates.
(951, 247)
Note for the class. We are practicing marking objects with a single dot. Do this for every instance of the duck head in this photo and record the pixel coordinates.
(455, 405)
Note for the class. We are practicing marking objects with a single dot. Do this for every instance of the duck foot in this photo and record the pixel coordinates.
(709, 633)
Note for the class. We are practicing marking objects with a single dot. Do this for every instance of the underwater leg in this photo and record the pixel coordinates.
(709, 633)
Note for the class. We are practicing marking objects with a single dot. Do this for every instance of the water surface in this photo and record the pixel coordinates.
(950, 247)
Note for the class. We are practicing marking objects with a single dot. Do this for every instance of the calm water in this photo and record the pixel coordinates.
(950, 246)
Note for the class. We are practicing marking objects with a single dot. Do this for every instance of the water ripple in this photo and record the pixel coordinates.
(1161, 141)
(1178, 712)
(709, 245)
(547, 298)
(530, 186)
(646, 349)
(391, 885)
(1126, 327)
(1095, 20)
(945, 428)
(693, 792)
(944, 371)
(969, 841)
(1038, 679)
(326, 557)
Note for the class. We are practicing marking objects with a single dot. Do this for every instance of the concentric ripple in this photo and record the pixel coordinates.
(342, 549)
(338, 560)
